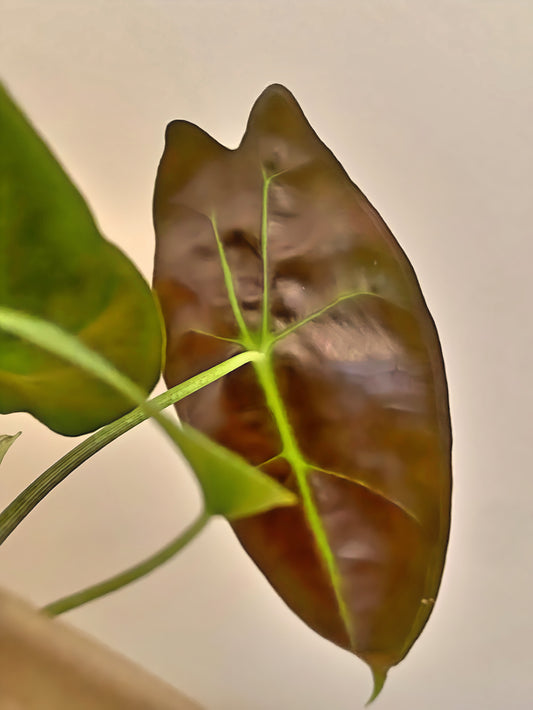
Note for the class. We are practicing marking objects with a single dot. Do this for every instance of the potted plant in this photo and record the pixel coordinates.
(296, 345)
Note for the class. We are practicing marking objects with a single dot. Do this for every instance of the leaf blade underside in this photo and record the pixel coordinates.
(361, 430)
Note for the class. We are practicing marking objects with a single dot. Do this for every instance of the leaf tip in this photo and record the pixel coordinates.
(379, 677)
(6, 441)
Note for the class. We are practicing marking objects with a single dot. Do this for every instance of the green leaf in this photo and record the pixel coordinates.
(6, 441)
(231, 487)
(55, 264)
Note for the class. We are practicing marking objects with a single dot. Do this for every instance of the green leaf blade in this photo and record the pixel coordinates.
(6, 442)
(55, 264)
(231, 487)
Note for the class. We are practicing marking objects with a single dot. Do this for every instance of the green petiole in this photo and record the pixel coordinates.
(26, 501)
(130, 575)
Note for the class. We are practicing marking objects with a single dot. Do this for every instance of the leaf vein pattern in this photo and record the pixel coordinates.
(264, 370)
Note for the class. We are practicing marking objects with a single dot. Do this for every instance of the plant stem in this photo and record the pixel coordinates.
(26, 501)
(130, 575)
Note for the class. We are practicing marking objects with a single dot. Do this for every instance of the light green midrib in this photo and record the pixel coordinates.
(266, 376)
(292, 454)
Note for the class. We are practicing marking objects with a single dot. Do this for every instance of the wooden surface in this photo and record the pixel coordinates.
(46, 665)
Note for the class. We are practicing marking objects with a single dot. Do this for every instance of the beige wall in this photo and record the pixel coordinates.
(428, 105)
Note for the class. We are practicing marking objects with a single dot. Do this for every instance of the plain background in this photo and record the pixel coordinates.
(429, 107)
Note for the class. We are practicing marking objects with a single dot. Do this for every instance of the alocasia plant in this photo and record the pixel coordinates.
(272, 248)
(301, 354)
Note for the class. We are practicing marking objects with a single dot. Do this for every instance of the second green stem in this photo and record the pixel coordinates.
(132, 574)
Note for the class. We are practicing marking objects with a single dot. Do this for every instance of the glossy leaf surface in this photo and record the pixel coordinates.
(55, 264)
(272, 247)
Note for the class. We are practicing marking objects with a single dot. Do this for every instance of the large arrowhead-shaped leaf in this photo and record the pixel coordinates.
(55, 264)
(271, 246)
